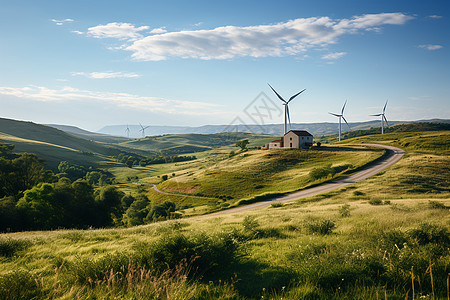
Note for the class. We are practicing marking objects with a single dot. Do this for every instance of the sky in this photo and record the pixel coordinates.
(192, 63)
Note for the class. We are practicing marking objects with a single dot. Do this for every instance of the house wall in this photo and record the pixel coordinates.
(276, 145)
(291, 140)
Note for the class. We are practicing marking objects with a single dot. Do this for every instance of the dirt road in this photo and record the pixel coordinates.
(396, 155)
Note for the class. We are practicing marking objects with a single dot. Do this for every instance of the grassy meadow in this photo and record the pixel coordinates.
(387, 237)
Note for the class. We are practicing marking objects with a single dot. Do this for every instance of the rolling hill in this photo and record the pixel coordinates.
(54, 145)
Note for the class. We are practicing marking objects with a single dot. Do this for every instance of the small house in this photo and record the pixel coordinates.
(298, 139)
(277, 144)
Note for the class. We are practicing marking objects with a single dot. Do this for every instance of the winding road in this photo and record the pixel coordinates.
(394, 155)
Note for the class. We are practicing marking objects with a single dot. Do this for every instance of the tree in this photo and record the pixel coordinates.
(242, 144)
(137, 211)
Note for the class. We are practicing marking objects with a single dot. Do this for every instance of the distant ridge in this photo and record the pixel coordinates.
(324, 128)
(93, 136)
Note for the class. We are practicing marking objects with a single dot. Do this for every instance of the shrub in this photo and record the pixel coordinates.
(276, 204)
(323, 227)
(344, 210)
(431, 234)
(375, 202)
(164, 177)
(436, 205)
(250, 223)
(358, 193)
(9, 247)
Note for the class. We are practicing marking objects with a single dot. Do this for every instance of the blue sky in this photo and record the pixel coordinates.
(97, 63)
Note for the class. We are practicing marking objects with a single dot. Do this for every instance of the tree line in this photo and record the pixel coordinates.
(33, 198)
(131, 159)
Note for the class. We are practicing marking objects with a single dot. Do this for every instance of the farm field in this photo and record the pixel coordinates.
(387, 236)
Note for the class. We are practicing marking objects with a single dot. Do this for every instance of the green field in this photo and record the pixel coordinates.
(387, 236)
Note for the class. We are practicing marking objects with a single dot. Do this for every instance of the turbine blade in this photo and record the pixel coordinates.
(336, 115)
(289, 118)
(346, 122)
(292, 98)
(342, 111)
(384, 108)
(141, 125)
(376, 115)
(147, 127)
(278, 95)
(384, 117)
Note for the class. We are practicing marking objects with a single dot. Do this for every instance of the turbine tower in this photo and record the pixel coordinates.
(383, 118)
(143, 129)
(341, 116)
(128, 131)
(286, 108)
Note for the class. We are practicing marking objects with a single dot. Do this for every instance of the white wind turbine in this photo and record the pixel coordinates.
(143, 129)
(128, 131)
(286, 108)
(341, 116)
(383, 118)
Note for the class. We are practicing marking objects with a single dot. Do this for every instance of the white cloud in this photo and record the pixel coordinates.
(77, 32)
(334, 56)
(61, 22)
(117, 30)
(153, 104)
(106, 75)
(435, 17)
(287, 38)
(159, 30)
(431, 47)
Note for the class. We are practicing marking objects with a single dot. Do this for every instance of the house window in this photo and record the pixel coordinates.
(290, 145)
(290, 138)
(303, 137)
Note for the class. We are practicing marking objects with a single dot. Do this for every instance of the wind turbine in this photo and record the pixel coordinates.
(128, 131)
(341, 116)
(383, 118)
(286, 107)
(143, 129)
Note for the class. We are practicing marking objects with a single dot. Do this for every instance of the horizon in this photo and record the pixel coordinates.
(111, 64)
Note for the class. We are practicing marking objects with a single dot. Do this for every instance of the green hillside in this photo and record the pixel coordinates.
(190, 143)
(97, 137)
(386, 237)
(54, 145)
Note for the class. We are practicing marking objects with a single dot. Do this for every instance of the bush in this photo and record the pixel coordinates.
(358, 193)
(375, 202)
(318, 173)
(164, 177)
(431, 234)
(323, 227)
(344, 210)
(436, 205)
(276, 204)
(250, 223)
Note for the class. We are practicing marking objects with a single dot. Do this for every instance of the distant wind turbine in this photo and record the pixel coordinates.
(128, 131)
(383, 118)
(286, 108)
(143, 129)
(341, 116)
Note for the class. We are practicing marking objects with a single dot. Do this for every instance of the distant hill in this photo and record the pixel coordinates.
(316, 129)
(53, 145)
(173, 144)
(94, 136)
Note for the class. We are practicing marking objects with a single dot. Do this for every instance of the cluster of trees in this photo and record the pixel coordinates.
(93, 176)
(131, 159)
(142, 211)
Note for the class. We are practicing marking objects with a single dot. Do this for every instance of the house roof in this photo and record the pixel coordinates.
(277, 141)
(300, 132)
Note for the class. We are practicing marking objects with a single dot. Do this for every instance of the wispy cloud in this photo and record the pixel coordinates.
(334, 56)
(61, 22)
(122, 31)
(106, 75)
(158, 30)
(77, 32)
(293, 37)
(435, 17)
(153, 104)
(431, 47)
